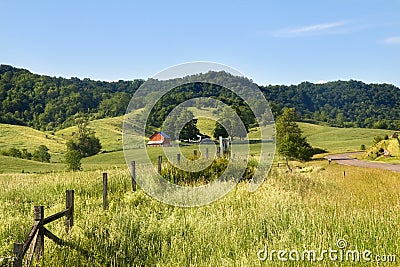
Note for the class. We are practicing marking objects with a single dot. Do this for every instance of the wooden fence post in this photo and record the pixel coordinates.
(18, 254)
(133, 165)
(218, 151)
(206, 152)
(159, 164)
(69, 204)
(39, 217)
(195, 153)
(105, 204)
(178, 158)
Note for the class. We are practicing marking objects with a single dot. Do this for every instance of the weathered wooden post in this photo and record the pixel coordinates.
(105, 203)
(195, 153)
(159, 164)
(69, 204)
(178, 158)
(206, 152)
(218, 151)
(18, 247)
(133, 164)
(344, 173)
(38, 216)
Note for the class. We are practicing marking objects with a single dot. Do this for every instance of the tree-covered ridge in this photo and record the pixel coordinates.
(341, 103)
(47, 103)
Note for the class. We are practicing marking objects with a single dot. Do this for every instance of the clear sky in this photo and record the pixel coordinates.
(272, 42)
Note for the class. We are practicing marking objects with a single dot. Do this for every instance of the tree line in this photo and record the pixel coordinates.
(50, 103)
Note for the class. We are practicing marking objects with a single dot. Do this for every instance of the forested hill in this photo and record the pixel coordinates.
(341, 103)
(48, 103)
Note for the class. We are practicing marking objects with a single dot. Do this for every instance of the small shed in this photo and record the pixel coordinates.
(159, 139)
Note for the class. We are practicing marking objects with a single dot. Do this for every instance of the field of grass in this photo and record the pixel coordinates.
(335, 139)
(307, 210)
(16, 165)
(25, 137)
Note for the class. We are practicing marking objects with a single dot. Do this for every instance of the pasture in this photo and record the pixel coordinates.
(310, 209)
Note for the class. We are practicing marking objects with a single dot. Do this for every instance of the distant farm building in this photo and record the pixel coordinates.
(159, 139)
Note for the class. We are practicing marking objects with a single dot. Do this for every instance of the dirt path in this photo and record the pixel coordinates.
(344, 159)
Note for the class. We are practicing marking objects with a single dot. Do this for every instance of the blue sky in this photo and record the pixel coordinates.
(272, 42)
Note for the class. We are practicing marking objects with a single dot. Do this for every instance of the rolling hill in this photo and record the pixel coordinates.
(50, 103)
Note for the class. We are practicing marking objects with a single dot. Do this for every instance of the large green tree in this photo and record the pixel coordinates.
(84, 140)
(290, 142)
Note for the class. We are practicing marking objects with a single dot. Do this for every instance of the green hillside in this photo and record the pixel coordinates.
(16, 165)
(21, 137)
(335, 139)
(50, 103)
(109, 131)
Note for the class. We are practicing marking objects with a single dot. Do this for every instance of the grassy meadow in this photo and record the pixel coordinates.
(308, 209)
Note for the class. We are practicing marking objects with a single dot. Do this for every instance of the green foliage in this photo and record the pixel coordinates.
(84, 140)
(219, 131)
(181, 117)
(41, 154)
(73, 160)
(211, 173)
(12, 152)
(341, 103)
(189, 131)
(47, 103)
(289, 138)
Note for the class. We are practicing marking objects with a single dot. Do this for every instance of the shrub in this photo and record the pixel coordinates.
(41, 154)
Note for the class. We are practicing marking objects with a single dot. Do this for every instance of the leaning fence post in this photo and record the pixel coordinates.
(133, 164)
(159, 164)
(178, 158)
(105, 204)
(18, 254)
(69, 204)
(39, 217)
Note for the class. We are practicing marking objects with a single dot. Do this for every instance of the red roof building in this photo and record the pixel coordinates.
(159, 139)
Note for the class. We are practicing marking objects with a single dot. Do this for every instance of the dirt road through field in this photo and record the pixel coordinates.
(345, 159)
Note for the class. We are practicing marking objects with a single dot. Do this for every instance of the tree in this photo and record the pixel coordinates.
(73, 160)
(84, 140)
(290, 142)
(219, 130)
(41, 154)
(189, 131)
(177, 118)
